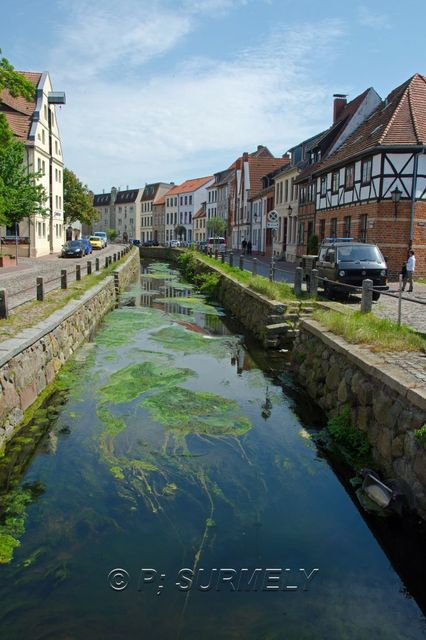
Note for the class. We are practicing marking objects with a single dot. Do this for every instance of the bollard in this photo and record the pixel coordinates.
(222, 257)
(216, 255)
(313, 283)
(97, 264)
(241, 265)
(231, 259)
(367, 296)
(272, 270)
(4, 306)
(106, 261)
(77, 272)
(254, 270)
(115, 257)
(64, 279)
(40, 289)
(109, 260)
(400, 298)
(89, 267)
(298, 276)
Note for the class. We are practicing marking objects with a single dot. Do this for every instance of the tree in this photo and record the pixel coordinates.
(180, 231)
(20, 195)
(217, 226)
(78, 200)
(17, 85)
(112, 234)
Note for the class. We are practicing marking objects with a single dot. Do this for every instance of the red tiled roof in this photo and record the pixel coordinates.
(201, 213)
(19, 111)
(259, 167)
(189, 185)
(161, 200)
(398, 120)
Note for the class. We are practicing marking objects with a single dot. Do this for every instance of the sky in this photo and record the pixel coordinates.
(167, 91)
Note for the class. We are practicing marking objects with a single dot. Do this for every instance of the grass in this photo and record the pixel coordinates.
(31, 313)
(279, 291)
(365, 328)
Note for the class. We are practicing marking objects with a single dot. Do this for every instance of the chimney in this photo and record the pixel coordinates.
(245, 156)
(339, 104)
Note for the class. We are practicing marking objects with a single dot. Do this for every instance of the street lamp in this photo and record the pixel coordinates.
(396, 197)
(289, 210)
(53, 97)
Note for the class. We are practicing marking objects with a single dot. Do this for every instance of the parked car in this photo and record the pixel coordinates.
(73, 249)
(136, 243)
(96, 242)
(103, 235)
(174, 243)
(216, 244)
(343, 261)
(87, 246)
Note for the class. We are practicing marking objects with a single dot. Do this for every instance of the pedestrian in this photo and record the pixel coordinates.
(410, 268)
(244, 245)
(249, 247)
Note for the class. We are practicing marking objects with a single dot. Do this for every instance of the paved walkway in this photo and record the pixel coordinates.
(20, 281)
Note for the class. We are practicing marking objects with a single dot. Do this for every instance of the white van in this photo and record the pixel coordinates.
(216, 244)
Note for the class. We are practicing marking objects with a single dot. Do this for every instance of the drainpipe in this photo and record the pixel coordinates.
(413, 198)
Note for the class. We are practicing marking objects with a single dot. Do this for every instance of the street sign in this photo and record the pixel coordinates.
(272, 225)
(273, 216)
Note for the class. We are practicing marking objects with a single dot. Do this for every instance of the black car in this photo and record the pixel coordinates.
(73, 249)
(343, 261)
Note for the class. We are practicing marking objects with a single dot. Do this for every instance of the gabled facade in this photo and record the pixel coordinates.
(182, 202)
(347, 117)
(199, 224)
(119, 210)
(382, 159)
(145, 225)
(159, 220)
(35, 124)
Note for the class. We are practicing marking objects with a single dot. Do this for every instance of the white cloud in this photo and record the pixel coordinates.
(124, 130)
(369, 18)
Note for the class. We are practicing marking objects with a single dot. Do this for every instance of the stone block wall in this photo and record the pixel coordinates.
(30, 361)
(384, 402)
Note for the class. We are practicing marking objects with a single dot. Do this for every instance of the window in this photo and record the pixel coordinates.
(301, 237)
(311, 192)
(333, 227)
(302, 193)
(42, 136)
(322, 229)
(363, 223)
(366, 171)
(181, 200)
(347, 226)
(323, 185)
(335, 182)
(45, 112)
(44, 229)
(44, 167)
(349, 177)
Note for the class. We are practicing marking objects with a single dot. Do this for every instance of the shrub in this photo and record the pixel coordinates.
(351, 443)
(420, 435)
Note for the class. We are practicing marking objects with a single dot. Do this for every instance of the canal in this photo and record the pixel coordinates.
(170, 489)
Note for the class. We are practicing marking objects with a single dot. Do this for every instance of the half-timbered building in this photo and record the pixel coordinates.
(372, 186)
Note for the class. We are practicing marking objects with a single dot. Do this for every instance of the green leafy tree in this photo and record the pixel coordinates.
(20, 195)
(78, 200)
(217, 226)
(180, 231)
(17, 85)
(111, 234)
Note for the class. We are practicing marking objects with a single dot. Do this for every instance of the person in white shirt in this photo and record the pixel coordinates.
(411, 266)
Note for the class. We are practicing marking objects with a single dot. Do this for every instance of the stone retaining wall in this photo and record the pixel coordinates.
(30, 361)
(385, 403)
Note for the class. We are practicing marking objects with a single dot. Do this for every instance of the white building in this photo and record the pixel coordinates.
(35, 124)
(182, 202)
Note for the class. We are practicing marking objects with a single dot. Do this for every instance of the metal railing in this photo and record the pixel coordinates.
(38, 290)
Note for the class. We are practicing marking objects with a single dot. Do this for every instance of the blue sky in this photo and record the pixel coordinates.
(162, 90)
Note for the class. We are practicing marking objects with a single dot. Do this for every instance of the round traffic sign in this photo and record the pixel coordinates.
(273, 216)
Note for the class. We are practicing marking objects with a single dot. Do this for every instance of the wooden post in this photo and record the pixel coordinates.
(115, 257)
(399, 298)
(241, 265)
(89, 267)
(367, 296)
(254, 269)
(106, 261)
(298, 281)
(231, 259)
(222, 257)
(64, 279)
(77, 272)
(4, 307)
(272, 270)
(96, 264)
(40, 289)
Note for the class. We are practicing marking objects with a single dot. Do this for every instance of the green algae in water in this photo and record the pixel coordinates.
(128, 383)
(14, 506)
(120, 326)
(197, 412)
(181, 339)
(195, 303)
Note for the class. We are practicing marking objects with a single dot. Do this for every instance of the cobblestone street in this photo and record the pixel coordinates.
(20, 281)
